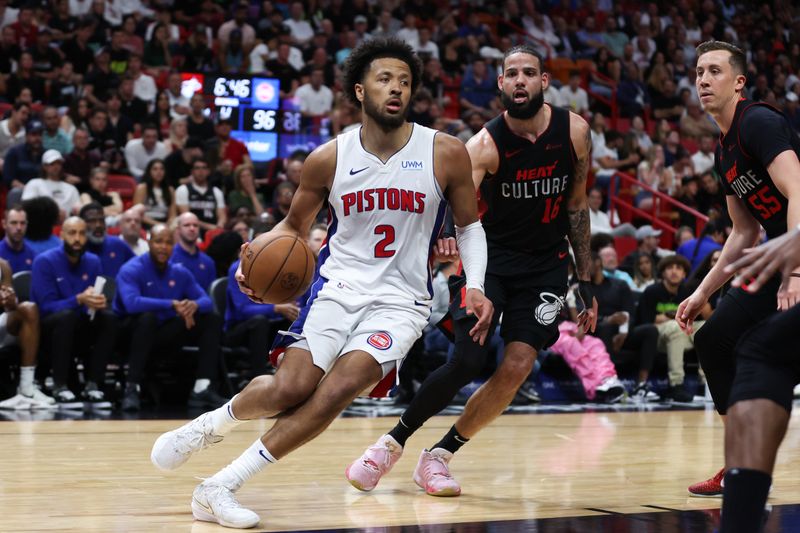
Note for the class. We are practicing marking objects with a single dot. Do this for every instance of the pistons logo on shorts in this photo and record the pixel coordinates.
(381, 340)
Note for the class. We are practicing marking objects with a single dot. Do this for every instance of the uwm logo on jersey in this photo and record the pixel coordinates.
(383, 198)
(411, 165)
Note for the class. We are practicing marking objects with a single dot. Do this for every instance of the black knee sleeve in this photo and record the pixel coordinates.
(443, 384)
(716, 357)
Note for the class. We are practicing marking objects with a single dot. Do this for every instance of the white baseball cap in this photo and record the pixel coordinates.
(51, 156)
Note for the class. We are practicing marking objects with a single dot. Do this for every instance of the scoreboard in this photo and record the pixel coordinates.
(268, 126)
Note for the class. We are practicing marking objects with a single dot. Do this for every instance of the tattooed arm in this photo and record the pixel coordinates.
(579, 230)
(578, 208)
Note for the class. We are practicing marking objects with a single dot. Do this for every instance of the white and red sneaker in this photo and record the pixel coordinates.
(365, 472)
(433, 474)
(710, 488)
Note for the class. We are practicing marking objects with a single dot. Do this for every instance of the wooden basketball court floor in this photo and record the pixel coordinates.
(593, 471)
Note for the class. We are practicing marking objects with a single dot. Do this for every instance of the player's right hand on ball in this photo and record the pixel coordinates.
(240, 279)
(480, 306)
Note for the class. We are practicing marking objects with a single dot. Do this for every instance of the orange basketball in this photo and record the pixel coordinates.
(278, 267)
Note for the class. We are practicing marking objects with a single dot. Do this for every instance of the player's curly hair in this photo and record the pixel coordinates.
(362, 56)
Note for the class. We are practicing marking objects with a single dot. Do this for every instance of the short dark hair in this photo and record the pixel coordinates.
(524, 49)
(15, 207)
(149, 126)
(674, 259)
(737, 60)
(362, 56)
(88, 208)
(42, 214)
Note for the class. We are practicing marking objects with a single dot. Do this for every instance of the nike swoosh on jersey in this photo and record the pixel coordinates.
(512, 153)
(354, 172)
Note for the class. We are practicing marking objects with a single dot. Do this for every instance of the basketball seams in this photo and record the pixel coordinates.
(280, 269)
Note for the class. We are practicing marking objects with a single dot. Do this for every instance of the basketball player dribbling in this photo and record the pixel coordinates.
(387, 184)
(757, 161)
(530, 166)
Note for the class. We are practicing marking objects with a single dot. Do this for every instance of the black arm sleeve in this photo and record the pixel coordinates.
(764, 134)
(449, 227)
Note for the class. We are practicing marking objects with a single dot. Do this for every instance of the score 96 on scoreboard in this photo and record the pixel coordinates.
(252, 104)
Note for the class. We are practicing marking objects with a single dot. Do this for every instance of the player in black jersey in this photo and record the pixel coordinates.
(757, 161)
(530, 166)
(761, 398)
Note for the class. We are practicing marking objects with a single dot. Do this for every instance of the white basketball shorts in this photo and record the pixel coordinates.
(340, 321)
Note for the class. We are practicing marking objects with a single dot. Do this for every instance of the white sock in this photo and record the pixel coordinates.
(223, 419)
(201, 384)
(254, 459)
(26, 379)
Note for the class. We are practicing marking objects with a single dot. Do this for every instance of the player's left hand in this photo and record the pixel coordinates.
(480, 306)
(445, 250)
(587, 318)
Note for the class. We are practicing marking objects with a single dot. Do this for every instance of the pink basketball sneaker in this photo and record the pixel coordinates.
(365, 472)
(433, 474)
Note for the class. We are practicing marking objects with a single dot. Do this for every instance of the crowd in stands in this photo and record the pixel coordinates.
(91, 90)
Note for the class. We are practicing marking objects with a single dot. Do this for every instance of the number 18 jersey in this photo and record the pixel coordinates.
(384, 219)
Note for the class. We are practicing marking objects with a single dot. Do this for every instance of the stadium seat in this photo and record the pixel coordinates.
(217, 291)
(124, 185)
(21, 281)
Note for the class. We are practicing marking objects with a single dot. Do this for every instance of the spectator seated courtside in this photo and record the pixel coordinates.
(164, 307)
(13, 247)
(74, 316)
(112, 251)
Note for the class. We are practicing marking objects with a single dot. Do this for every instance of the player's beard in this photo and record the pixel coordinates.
(385, 121)
(72, 252)
(522, 111)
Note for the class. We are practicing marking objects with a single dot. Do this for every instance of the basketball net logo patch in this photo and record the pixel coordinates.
(380, 340)
(547, 311)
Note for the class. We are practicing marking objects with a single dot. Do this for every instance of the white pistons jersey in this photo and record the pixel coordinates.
(384, 219)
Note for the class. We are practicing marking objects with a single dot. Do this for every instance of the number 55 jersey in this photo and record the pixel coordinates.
(385, 216)
(758, 134)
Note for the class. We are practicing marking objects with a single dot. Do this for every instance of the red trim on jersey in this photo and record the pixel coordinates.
(482, 205)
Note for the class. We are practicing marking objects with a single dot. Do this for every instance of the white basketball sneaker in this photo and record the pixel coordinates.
(212, 502)
(174, 448)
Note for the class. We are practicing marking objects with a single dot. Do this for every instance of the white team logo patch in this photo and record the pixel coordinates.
(547, 311)
(381, 340)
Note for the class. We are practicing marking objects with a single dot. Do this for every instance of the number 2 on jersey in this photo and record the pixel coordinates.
(388, 238)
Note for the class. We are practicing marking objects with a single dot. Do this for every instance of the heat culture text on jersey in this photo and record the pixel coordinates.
(528, 188)
(746, 183)
(535, 182)
(384, 198)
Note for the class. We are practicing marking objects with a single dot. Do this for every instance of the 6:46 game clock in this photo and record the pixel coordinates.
(253, 106)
